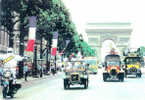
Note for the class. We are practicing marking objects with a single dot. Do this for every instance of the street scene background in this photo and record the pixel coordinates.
(60, 49)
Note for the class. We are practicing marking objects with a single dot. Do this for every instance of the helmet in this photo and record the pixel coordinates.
(7, 74)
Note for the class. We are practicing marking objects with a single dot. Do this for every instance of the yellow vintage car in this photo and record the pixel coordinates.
(93, 66)
(132, 66)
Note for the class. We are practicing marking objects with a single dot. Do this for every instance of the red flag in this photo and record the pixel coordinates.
(53, 52)
(30, 46)
(31, 41)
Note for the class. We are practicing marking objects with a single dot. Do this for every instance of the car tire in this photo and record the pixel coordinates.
(139, 75)
(104, 78)
(65, 84)
(121, 78)
(85, 83)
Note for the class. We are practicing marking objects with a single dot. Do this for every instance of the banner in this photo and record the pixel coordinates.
(32, 34)
(54, 44)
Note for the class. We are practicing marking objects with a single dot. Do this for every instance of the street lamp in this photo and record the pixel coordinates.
(35, 61)
(81, 39)
(47, 62)
(66, 44)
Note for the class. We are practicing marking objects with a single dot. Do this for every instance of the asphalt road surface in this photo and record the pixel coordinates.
(131, 89)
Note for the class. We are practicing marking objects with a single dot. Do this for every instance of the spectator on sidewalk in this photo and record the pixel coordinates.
(52, 69)
(40, 70)
(44, 68)
(26, 71)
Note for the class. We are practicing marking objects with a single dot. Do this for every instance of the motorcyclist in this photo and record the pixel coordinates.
(7, 84)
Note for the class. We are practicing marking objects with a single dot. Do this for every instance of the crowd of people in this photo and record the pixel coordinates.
(28, 70)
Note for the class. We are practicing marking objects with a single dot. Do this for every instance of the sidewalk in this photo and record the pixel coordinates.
(31, 80)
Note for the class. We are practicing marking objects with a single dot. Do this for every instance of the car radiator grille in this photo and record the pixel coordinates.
(75, 77)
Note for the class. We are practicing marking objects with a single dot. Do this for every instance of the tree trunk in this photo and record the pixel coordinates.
(21, 43)
(11, 41)
(41, 56)
(21, 48)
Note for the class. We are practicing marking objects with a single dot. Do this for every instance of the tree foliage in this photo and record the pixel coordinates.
(52, 16)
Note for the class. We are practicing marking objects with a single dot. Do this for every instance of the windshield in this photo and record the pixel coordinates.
(132, 60)
(91, 62)
(110, 58)
(112, 63)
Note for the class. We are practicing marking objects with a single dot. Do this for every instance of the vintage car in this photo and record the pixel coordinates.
(132, 65)
(92, 66)
(76, 74)
(113, 69)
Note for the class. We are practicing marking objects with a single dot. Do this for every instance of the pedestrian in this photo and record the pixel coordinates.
(44, 68)
(26, 71)
(52, 69)
(41, 71)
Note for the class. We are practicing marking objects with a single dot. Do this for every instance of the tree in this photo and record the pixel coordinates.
(8, 19)
(52, 16)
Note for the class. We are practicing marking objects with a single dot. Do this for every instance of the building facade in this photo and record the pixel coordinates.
(3, 36)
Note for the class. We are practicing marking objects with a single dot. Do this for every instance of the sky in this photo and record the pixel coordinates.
(133, 11)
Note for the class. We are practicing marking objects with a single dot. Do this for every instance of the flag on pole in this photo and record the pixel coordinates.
(54, 44)
(32, 34)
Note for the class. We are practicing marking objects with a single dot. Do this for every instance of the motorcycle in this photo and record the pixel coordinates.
(9, 87)
(5, 84)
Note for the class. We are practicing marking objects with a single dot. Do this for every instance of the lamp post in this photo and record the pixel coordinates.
(21, 63)
(47, 63)
(35, 61)
(81, 39)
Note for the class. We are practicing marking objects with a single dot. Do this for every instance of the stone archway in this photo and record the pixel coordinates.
(99, 32)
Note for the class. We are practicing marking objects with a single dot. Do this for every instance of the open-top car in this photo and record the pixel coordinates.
(76, 73)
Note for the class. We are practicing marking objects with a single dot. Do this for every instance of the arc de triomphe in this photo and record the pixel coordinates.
(119, 33)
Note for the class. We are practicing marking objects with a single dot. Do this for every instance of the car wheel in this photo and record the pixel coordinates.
(86, 83)
(121, 78)
(65, 84)
(12, 95)
(139, 75)
(104, 78)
